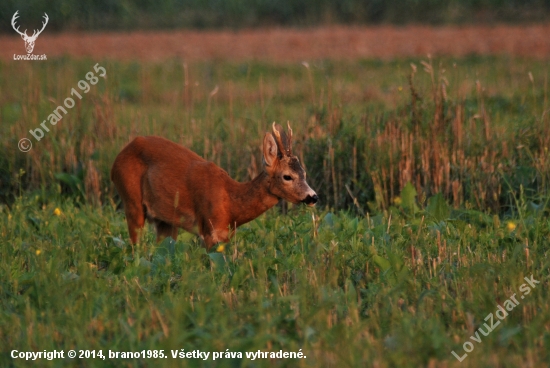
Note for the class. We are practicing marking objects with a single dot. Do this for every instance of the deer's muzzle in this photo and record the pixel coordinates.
(310, 200)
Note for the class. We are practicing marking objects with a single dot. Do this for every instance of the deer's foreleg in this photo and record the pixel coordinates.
(216, 232)
(165, 229)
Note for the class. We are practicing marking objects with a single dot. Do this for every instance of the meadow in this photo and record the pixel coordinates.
(433, 176)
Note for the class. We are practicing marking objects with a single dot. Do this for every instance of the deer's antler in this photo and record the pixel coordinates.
(279, 141)
(24, 34)
(35, 35)
(286, 150)
(15, 16)
(289, 138)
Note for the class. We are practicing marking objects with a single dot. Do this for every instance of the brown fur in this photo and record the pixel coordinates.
(171, 186)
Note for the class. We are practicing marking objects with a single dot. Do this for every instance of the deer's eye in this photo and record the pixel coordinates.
(287, 177)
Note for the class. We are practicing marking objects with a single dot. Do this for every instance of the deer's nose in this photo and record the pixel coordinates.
(311, 199)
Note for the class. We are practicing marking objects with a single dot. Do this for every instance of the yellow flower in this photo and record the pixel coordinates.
(511, 226)
(397, 201)
(9, 216)
(57, 212)
(220, 248)
(400, 88)
(38, 251)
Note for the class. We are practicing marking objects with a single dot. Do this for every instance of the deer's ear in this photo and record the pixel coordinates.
(270, 150)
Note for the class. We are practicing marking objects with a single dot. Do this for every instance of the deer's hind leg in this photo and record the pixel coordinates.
(133, 208)
(135, 219)
(128, 185)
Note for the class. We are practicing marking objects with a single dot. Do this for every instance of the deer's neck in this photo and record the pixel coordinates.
(251, 199)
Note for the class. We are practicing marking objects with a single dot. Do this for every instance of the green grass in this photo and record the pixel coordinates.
(452, 213)
(343, 289)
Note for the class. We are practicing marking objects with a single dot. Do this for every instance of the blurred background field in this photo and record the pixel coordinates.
(433, 173)
(473, 129)
(235, 14)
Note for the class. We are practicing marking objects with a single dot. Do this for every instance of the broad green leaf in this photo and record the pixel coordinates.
(408, 197)
(438, 208)
(218, 260)
(382, 263)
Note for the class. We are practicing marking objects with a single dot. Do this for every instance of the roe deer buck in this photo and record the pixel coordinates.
(170, 185)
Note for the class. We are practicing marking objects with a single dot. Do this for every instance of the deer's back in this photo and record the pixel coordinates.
(174, 181)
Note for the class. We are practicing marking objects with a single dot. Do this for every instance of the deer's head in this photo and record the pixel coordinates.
(29, 40)
(287, 177)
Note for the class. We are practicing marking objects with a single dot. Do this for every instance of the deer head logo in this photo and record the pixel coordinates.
(29, 40)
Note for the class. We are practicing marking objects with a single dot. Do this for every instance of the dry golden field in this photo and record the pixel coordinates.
(288, 45)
